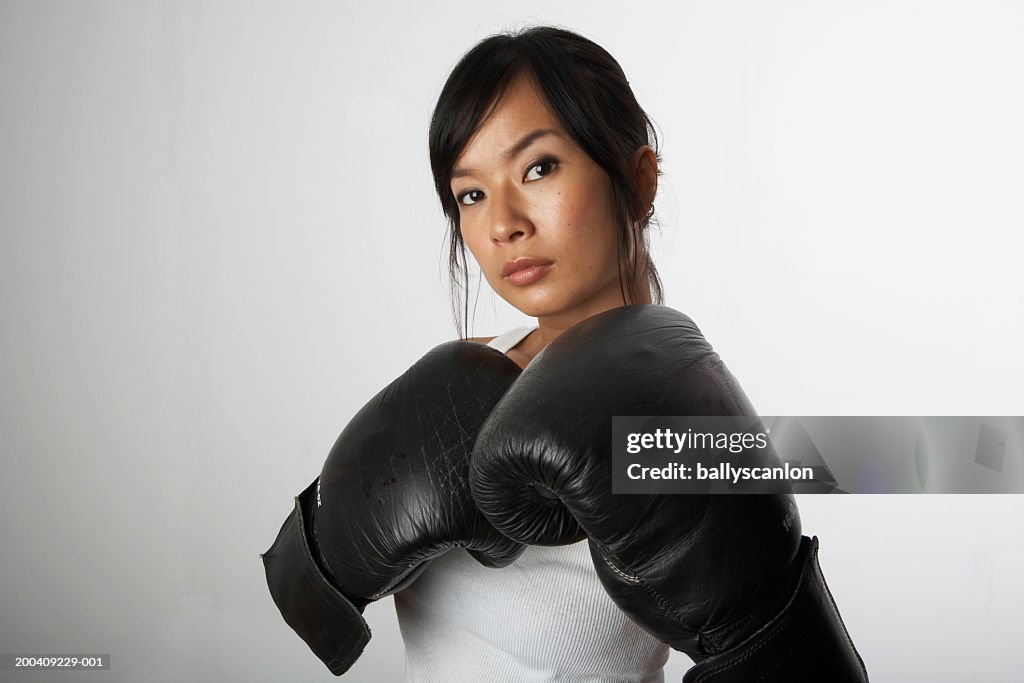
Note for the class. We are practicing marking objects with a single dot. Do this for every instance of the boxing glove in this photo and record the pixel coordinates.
(719, 577)
(392, 494)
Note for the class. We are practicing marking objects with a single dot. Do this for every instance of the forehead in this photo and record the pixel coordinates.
(521, 110)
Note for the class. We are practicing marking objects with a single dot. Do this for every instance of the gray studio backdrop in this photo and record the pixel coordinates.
(219, 239)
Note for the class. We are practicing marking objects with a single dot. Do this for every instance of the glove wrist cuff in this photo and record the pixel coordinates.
(329, 622)
(807, 640)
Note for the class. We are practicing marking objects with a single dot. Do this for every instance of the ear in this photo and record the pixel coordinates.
(645, 169)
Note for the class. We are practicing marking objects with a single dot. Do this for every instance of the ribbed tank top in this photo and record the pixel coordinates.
(545, 617)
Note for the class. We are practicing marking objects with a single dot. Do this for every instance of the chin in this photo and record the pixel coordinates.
(538, 304)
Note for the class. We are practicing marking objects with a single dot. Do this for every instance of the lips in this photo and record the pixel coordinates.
(522, 263)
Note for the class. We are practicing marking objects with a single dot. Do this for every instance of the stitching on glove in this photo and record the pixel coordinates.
(622, 574)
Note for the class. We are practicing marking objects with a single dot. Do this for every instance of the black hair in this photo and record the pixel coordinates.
(588, 92)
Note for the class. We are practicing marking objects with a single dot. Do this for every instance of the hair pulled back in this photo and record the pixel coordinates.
(587, 91)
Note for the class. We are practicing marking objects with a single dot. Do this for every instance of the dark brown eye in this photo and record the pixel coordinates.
(548, 164)
(461, 199)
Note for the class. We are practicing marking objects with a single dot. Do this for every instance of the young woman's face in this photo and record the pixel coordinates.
(528, 195)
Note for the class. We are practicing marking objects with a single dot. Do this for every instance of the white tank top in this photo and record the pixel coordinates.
(545, 617)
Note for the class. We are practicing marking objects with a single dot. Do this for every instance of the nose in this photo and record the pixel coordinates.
(508, 217)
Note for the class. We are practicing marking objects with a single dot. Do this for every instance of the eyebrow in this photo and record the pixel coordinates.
(515, 149)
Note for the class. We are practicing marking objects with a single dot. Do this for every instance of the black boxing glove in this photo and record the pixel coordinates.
(392, 495)
(727, 579)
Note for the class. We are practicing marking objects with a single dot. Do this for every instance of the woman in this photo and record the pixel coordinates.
(547, 169)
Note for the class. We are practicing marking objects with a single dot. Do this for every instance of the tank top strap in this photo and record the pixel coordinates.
(504, 342)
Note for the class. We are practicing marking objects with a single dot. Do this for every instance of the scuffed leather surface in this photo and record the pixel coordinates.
(394, 491)
(700, 572)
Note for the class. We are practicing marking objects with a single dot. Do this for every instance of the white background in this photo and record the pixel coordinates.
(219, 238)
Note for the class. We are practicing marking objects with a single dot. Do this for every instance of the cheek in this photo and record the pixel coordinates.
(478, 245)
(471, 239)
(593, 225)
(579, 218)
